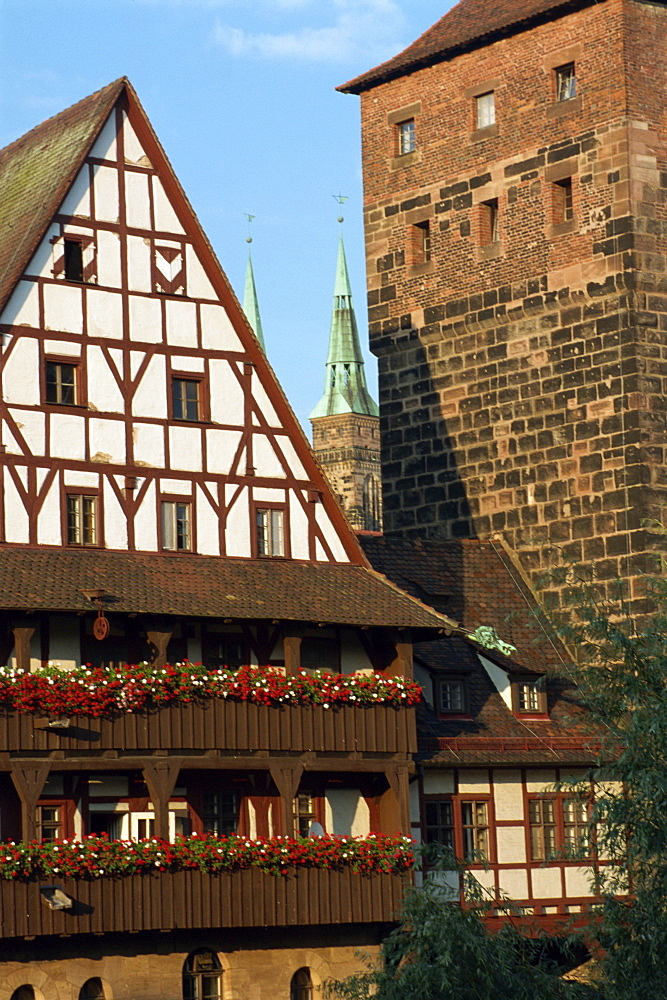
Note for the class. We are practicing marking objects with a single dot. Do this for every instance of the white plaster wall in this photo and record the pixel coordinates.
(473, 781)
(546, 883)
(346, 813)
(187, 363)
(107, 441)
(145, 319)
(49, 529)
(103, 391)
(182, 487)
(577, 882)
(540, 781)
(104, 314)
(138, 265)
(352, 654)
(62, 308)
(20, 379)
(486, 881)
(217, 332)
(166, 220)
(226, 394)
(266, 462)
(508, 795)
(511, 845)
(268, 495)
(68, 436)
(32, 424)
(220, 449)
(16, 519)
(77, 477)
(438, 782)
(42, 261)
(115, 522)
(10, 443)
(65, 348)
(513, 883)
(132, 148)
(266, 407)
(330, 534)
(185, 448)
(137, 204)
(148, 444)
(237, 532)
(105, 147)
(181, 323)
(415, 816)
(105, 182)
(108, 259)
(199, 287)
(23, 306)
(145, 522)
(298, 523)
(150, 399)
(64, 644)
(208, 542)
(77, 199)
(291, 457)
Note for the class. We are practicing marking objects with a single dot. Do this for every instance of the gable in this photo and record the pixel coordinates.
(130, 375)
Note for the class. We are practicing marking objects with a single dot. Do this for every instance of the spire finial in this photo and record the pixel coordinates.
(341, 199)
(248, 238)
(250, 303)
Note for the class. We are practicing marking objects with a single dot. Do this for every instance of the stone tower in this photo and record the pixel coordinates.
(346, 425)
(515, 177)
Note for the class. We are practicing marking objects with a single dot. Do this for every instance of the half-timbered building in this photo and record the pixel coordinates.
(159, 503)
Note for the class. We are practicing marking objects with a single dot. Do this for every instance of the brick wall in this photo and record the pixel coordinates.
(522, 379)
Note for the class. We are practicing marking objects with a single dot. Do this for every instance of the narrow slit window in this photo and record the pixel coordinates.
(485, 110)
(406, 137)
(420, 242)
(489, 222)
(566, 82)
(73, 260)
(563, 203)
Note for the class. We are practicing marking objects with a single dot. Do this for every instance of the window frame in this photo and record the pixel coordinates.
(88, 252)
(562, 201)
(83, 493)
(193, 978)
(458, 802)
(583, 839)
(270, 506)
(175, 500)
(538, 686)
(301, 990)
(59, 824)
(478, 106)
(315, 815)
(406, 137)
(193, 378)
(60, 360)
(565, 73)
(489, 223)
(442, 682)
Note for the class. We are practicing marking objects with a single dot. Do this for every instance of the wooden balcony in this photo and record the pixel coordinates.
(220, 724)
(190, 900)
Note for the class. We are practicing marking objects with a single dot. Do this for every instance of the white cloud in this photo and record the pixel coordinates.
(368, 28)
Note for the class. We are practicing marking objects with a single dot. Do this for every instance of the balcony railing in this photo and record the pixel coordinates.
(191, 900)
(220, 724)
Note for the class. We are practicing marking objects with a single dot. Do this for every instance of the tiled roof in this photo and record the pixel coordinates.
(469, 24)
(476, 583)
(35, 174)
(207, 586)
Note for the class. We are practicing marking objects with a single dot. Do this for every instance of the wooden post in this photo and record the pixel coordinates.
(401, 663)
(286, 778)
(159, 642)
(28, 779)
(292, 647)
(394, 802)
(161, 776)
(22, 637)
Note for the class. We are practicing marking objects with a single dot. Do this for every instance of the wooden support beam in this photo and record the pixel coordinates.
(158, 642)
(292, 647)
(161, 776)
(401, 662)
(29, 778)
(286, 777)
(22, 637)
(394, 802)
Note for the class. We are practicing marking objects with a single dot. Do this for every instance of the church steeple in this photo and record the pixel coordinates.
(250, 303)
(345, 389)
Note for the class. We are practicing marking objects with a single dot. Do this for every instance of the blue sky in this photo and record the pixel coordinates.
(241, 94)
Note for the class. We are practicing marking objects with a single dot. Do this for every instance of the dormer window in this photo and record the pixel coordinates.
(452, 696)
(530, 696)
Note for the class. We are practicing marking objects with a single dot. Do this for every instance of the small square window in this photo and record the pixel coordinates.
(530, 696)
(270, 532)
(406, 137)
(176, 526)
(220, 813)
(489, 222)
(49, 823)
(74, 258)
(563, 205)
(566, 82)
(452, 696)
(185, 399)
(81, 519)
(485, 110)
(61, 383)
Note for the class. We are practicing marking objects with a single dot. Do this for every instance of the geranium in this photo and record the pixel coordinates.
(98, 857)
(101, 691)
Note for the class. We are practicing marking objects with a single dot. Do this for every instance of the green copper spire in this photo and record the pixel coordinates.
(250, 303)
(345, 389)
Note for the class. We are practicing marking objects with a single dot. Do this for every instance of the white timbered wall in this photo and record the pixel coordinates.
(144, 312)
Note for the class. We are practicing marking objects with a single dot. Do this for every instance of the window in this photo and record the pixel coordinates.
(202, 976)
(530, 696)
(575, 825)
(220, 813)
(475, 824)
(270, 532)
(23, 993)
(439, 822)
(92, 989)
(563, 207)
(225, 650)
(489, 222)
(558, 824)
(176, 530)
(452, 696)
(49, 823)
(61, 383)
(566, 82)
(542, 813)
(185, 398)
(301, 986)
(419, 245)
(304, 813)
(81, 519)
(485, 110)
(73, 260)
(406, 137)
